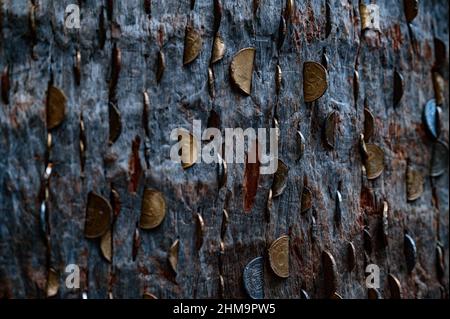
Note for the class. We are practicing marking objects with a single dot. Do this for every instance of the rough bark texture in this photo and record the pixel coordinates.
(182, 96)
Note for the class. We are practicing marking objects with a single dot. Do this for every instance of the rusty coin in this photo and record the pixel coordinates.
(315, 81)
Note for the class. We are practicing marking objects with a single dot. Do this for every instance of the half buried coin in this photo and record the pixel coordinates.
(253, 277)
(374, 162)
(279, 256)
(153, 209)
(241, 70)
(439, 159)
(98, 216)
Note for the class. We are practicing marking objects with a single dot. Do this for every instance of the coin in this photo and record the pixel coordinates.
(438, 86)
(192, 45)
(373, 293)
(367, 237)
(351, 256)
(52, 286)
(414, 184)
(211, 86)
(411, 9)
(188, 147)
(200, 231)
(98, 216)
(160, 66)
(218, 49)
(280, 179)
(355, 85)
(440, 261)
(241, 70)
(395, 287)
(368, 124)
(329, 273)
(222, 171)
(173, 255)
(330, 128)
(106, 246)
(338, 210)
(315, 81)
(431, 118)
(223, 228)
(282, 30)
(253, 277)
(115, 123)
(374, 163)
(385, 224)
(306, 200)
(136, 243)
(279, 256)
(410, 251)
(336, 296)
(300, 145)
(217, 14)
(153, 209)
(278, 79)
(304, 294)
(148, 295)
(56, 107)
(398, 87)
(5, 85)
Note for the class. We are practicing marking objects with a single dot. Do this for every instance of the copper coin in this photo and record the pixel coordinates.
(439, 159)
(369, 124)
(279, 256)
(98, 216)
(315, 81)
(192, 45)
(56, 107)
(329, 273)
(395, 287)
(241, 70)
(153, 209)
(398, 87)
(374, 163)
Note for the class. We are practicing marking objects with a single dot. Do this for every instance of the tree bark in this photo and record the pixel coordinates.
(48, 55)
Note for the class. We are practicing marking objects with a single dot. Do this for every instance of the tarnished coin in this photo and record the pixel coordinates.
(200, 229)
(431, 118)
(411, 9)
(188, 148)
(279, 256)
(52, 283)
(351, 256)
(395, 287)
(98, 216)
(153, 209)
(369, 124)
(439, 159)
(440, 261)
(173, 255)
(56, 107)
(218, 49)
(410, 251)
(306, 200)
(399, 87)
(278, 79)
(160, 66)
(304, 294)
(222, 171)
(439, 88)
(315, 81)
(106, 246)
(385, 224)
(367, 238)
(414, 184)
(373, 293)
(241, 70)
(115, 123)
(192, 45)
(355, 85)
(211, 83)
(148, 295)
(290, 8)
(329, 273)
(282, 30)
(330, 128)
(254, 278)
(224, 226)
(336, 296)
(374, 163)
(280, 179)
(338, 208)
(300, 145)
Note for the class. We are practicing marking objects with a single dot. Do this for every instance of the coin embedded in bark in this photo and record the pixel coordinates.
(411, 9)
(105, 246)
(136, 243)
(160, 66)
(278, 79)
(223, 228)
(221, 171)
(440, 261)
(148, 295)
(279, 256)
(218, 49)
(315, 81)
(241, 70)
(52, 283)
(211, 86)
(336, 296)
(439, 159)
(374, 163)
(368, 124)
(398, 87)
(304, 294)
(330, 128)
(300, 144)
(414, 184)
(306, 200)
(153, 209)
(351, 256)
(373, 293)
(338, 212)
(367, 237)
(282, 30)
(385, 223)
(438, 86)
(98, 216)
(431, 118)
(188, 147)
(410, 252)
(173, 255)
(200, 231)
(280, 179)
(5, 86)
(56, 107)
(254, 278)
(192, 45)
(395, 287)
(329, 273)
(115, 123)
(289, 10)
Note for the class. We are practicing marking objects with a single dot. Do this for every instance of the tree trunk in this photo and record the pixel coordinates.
(31, 243)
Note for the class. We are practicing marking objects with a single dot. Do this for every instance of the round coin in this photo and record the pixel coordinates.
(253, 277)
(315, 81)
(98, 216)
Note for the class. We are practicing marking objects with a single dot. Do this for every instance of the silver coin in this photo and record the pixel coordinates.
(254, 278)
(431, 118)
(439, 159)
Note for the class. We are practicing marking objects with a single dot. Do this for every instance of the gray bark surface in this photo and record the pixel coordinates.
(182, 96)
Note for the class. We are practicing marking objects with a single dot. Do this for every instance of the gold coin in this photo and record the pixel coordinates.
(241, 70)
(279, 256)
(98, 216)
(105, 246)
(52, 283)
(218, 49)
(188, 148)
(56, 107)
(192, 45)
(374, 163)
(173, 255)
(153, 209)
(315, 81)
(414, 184)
